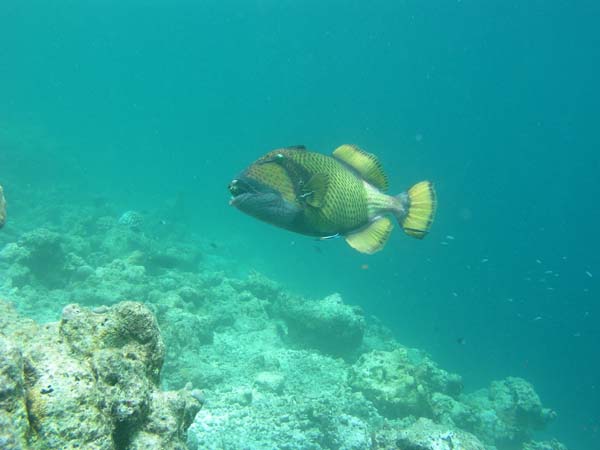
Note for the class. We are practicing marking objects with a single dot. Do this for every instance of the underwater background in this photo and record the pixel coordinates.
(143, 104)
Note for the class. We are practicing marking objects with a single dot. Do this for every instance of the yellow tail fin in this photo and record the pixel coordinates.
(421, 203)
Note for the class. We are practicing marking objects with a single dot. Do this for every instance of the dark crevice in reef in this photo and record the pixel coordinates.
(121, 435)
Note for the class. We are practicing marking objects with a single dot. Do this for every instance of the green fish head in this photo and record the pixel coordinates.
(263, 191)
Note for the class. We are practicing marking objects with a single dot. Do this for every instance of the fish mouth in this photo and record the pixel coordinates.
(253, 197)
(262, 202)
(240, 191)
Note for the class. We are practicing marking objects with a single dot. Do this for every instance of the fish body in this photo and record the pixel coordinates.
(325, 196)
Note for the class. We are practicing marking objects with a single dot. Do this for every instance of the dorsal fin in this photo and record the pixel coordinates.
(366, 164)
(315, 189)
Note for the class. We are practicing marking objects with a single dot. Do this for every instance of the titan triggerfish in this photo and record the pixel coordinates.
(329, 196)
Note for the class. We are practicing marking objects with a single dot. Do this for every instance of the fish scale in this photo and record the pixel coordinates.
(345, 206)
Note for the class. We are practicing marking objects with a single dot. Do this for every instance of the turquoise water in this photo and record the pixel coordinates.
(496, 102)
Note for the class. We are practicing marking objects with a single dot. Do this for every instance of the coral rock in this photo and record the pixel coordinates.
(327, 325)
(2, 208)
(508, 412)
(13, 410)
(400, 384)
(427, 435)
(89, 381)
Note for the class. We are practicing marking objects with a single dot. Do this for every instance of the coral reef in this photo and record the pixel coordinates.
(88, 381)
(276, 370)
(327, 325)
(546, 445)
(38, 257)
(424, 434)
(2, 208)
(402, 382)
(508, 411)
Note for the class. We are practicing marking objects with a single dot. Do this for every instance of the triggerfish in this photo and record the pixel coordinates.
(329, 196)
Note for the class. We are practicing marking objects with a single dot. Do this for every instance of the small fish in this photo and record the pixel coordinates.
(326, 196)
(364, 266)
(2, 208)
(484, 260)
(450, 237)
(588, 273)
(461, 341)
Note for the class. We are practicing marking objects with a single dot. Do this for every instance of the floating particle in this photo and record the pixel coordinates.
(549, 288)
(449, 237)
(588, 273)
(484, 260)
(510, 300)
(548, 272)
(364, 266)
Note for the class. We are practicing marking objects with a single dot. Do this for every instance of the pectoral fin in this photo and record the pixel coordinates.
(372, 238)
(315, 190)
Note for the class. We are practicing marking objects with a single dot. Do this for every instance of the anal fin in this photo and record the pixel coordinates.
(372, 238)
